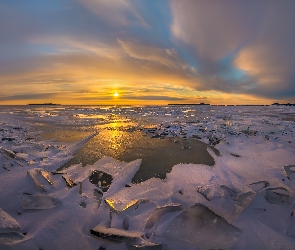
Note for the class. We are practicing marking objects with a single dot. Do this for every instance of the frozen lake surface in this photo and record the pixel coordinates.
(103, 177)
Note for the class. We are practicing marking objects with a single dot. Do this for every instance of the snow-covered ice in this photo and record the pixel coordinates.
(246, 200)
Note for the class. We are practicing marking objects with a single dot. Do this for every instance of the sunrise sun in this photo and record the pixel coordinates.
(116, 94)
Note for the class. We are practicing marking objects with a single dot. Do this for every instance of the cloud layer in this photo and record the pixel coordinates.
(149, 51)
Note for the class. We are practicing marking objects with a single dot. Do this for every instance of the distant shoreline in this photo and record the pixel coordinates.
(43, 103)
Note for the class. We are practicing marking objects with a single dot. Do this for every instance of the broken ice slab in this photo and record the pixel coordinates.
(7, 223)
(290, 170)
(7, 166)
(157, 215)
(233, 193)
(242, 199)
(201, 226)
(11, 154)
(277, 196)
(7, 152)
(118, 206)
(114, 234)
(98, 196)
(259, 185)
(38, 201)
(161, 211)
(101, 179)
(69, 181)
(12, 237)
(35, 174)
(46, 176)
(148, 247)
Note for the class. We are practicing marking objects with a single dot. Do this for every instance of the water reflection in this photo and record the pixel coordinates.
(158, 155)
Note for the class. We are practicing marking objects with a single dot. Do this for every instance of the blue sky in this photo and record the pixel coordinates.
(147, 51)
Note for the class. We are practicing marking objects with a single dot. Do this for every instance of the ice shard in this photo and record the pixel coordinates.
(259, 185)
(157, 215)
(118, 206)
(114, 234)
(36, 173)
(38, 201)
(8, 224)
(159, 212)
(277, 196)
(202, 227)
(69, 181)
(146, 247)
(290, 170)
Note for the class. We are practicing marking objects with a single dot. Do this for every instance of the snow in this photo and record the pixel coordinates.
(245, 201)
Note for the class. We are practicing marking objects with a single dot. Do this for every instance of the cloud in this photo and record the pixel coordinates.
(240, 46)
(155, 98)
(165, 56)
(28, 97)
(184, 49)
(115, 12)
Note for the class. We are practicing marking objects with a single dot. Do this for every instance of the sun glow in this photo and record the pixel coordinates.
(116, 94)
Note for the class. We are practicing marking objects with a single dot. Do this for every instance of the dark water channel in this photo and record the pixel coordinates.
(158, 155)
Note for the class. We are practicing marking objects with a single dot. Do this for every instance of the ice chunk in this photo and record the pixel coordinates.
(38, 201)
(153, 190)
(202, 227)
(233, 193)
(35, 174)
(157, 215)
(9, 238)
(277, 196)
(7, 152)
(119, 206)
(243, 199)
(257, 186)
(134, 218)
(159, 212)
(46, 176)
(146, 247)
(114, 234)
(290, 170)
(69, 181)
(211, 192)
(7, 223)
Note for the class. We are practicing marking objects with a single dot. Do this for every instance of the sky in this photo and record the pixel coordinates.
(149, 52)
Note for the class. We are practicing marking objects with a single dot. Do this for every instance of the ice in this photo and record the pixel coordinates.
(35, 174)
(202, 227)
(257, 186)
(98, 196)
(38, 201)
(290, 170)
(8, 224)
(155, 217)
(245, 200)
(152, 247)
(69, 181)
(153, 189)
(277, 195)
(116, 234)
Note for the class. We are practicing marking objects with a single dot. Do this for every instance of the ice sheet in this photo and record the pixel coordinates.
(246, 200)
